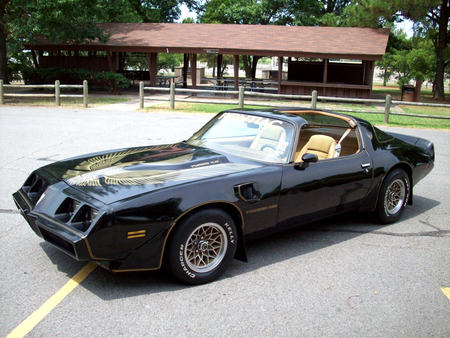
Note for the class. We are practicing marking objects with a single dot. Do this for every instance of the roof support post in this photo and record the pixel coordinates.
(325, 75)
(185, 69)
(193, 61)
(364, 66)
(110, 61)
(370, 76)
(152, 59)
(236, 71)
(280, 73)
(219, 65)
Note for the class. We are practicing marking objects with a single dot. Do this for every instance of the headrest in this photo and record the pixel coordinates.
(272, 132)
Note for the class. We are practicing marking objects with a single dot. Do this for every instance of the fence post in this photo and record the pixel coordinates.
(241, 97)
(2, 100)
(85, 93)
(314, 99)
(141, 94)
(387, 108)
(57, 93)
(172, 95)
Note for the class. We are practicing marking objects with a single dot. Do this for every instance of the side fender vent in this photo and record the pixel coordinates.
(247, 192)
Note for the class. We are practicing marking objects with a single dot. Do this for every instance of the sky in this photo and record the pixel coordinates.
(406, 26)
(186, 14)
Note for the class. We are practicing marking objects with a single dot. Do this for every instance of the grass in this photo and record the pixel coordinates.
(426, 94)
(378, 119)
(404, 121)
(65, 102)
(197, 107)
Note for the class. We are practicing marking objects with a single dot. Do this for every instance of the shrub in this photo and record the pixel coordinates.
(49, 75)
(112, 81)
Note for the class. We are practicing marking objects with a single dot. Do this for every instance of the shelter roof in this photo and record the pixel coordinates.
(263, 40)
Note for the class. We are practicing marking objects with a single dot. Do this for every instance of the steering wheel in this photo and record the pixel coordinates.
(268, 147)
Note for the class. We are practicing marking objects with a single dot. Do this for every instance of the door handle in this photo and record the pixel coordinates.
(365, 165)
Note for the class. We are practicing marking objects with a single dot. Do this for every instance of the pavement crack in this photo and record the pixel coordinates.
(430, 225)
(8, 211)
(439, 233)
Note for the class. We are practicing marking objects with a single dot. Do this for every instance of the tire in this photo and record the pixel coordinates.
(394, 196)
(202, 246)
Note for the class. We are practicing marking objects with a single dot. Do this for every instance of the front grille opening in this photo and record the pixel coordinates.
(29, 182)
(58, 242)
(67, 209)
(84, 217)
(34, 187)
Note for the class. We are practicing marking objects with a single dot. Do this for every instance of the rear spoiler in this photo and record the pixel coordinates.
(425, 145)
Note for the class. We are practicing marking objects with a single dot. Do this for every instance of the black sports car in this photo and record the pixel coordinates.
(190, 205)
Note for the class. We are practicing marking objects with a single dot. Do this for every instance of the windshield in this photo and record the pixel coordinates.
(255, 137)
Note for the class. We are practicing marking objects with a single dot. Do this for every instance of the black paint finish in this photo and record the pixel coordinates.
(132, 198)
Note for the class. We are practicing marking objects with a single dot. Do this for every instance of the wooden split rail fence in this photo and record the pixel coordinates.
(56, 94)
(241, 94)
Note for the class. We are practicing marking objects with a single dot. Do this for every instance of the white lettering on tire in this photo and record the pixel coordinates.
(183, 265)
(230, 232)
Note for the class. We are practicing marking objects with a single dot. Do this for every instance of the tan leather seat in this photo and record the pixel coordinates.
(321, 145)
(270, 136)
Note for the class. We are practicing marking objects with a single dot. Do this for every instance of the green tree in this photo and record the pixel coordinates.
(22, 21)
(155, 10)
(264, 12)
(243, 12)
(430, 21)
(397, 42)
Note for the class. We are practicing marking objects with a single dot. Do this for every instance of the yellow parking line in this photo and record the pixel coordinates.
(28, 324)
(446, 292)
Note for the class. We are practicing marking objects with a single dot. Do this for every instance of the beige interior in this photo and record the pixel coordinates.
(349, 146)
(321, 145)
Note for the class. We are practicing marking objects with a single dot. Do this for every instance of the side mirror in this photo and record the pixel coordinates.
(307, 159)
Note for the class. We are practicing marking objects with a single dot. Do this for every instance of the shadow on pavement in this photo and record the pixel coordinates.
(261, 252)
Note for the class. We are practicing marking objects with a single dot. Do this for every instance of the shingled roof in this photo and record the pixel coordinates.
(264, 40)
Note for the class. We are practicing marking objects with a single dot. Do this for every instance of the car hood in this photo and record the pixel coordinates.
(124, 173)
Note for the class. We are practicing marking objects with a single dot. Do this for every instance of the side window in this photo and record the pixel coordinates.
(327, 142)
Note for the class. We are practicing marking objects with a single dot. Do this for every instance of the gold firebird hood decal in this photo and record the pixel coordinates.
(129, 176)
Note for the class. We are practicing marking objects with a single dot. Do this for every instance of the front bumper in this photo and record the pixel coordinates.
(64, 238)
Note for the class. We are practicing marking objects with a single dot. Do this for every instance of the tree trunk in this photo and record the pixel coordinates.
(442, 43)
(254, 64)
(3, 68)
(247, 68)
(417, 90)
(385, 78)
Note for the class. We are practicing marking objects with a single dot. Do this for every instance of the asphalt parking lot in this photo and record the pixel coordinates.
(342, 277)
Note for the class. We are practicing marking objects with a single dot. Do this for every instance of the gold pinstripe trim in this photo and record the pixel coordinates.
(136, 236)
(239, 190)
(136, 270)
(345, 118)
(25, 198)
(136, 232)
(91, 254)
(81, 235)
(262, 209)
(173, 225)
